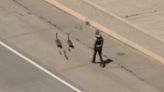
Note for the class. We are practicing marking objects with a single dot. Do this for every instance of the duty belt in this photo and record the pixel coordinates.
(98, 45)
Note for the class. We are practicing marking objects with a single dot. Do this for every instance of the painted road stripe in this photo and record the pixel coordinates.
(104, 29)
(40, 67)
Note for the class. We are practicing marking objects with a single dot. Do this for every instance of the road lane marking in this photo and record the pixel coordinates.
(40, 67)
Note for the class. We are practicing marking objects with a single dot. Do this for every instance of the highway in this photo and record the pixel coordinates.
(30, 26)
(18, 75)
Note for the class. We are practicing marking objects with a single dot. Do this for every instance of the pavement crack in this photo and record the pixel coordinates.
(126, 69)
(51, 23)
(131, 72)
(20, 4)
(40, 17)
(141, 13)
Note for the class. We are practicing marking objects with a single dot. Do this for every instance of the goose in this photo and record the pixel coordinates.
(58, 42)
(70, 44)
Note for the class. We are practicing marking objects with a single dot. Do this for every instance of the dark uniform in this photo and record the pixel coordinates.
(98, 48)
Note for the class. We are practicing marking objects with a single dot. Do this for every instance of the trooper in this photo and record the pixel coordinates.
(98, 45)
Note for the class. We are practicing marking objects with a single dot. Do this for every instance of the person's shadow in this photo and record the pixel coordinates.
(107, 61)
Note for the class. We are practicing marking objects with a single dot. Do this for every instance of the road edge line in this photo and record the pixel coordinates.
(38, 66)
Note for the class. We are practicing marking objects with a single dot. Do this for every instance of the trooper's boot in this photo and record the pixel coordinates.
(93, 61)
(102, 64)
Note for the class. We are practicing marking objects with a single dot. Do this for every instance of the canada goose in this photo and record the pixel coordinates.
(70, 44)
(58, 42)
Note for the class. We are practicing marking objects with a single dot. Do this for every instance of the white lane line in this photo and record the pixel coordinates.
(40, 67)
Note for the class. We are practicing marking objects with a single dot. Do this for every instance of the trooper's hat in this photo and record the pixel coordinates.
(97, 33)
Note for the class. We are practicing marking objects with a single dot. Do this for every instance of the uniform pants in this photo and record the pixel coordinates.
(99, 50)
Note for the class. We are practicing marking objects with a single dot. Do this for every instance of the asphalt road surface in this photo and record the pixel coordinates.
(18, 75)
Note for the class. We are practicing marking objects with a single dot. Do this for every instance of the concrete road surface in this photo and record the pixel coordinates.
(29, 26)
(18, 75)
(137, 22)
